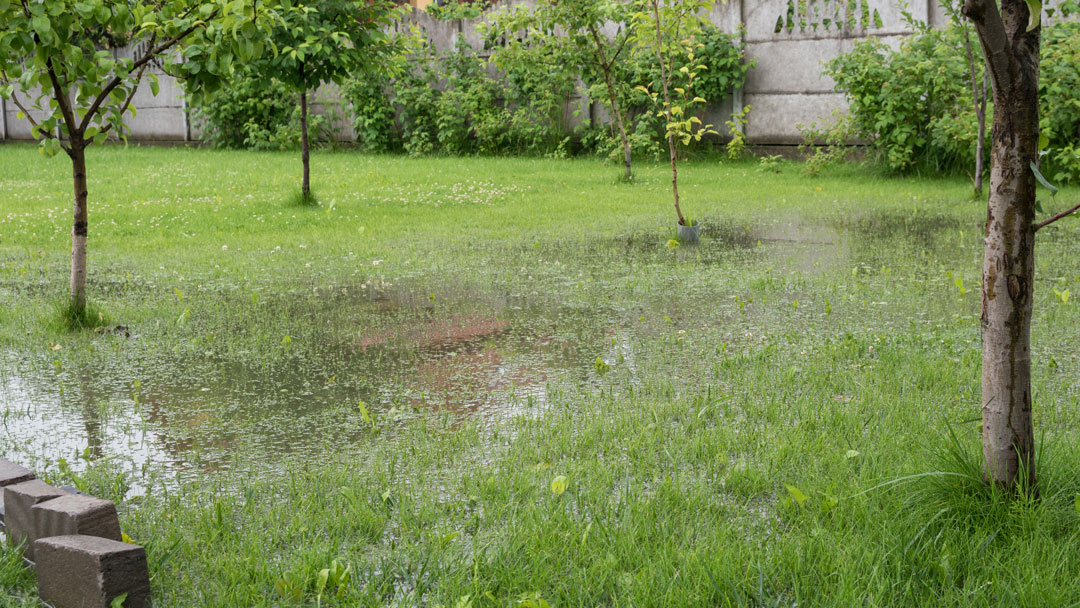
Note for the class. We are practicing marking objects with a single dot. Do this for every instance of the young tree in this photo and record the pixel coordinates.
(322, 41)
(978, 97)
(60, 55)
(1009, 36)
(570, 35)
(667, 27)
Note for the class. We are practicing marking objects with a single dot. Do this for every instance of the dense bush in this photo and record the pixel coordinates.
(452, 104)
(725, 70)
(519, 101)
(1059, 93)
(258, 114)
(913, 106)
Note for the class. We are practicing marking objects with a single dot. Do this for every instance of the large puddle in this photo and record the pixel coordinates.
(467, 352)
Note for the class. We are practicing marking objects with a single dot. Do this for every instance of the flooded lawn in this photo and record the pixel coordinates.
(480, 382)
(387, 351)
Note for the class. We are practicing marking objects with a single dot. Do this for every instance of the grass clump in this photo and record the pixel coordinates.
(67, 317)
(301, 199)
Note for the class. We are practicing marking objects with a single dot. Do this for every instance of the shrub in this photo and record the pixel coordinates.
(456, 103)
(913, 106)
(453, 104)
(723, 56)
(373, 114)
(258, 114)
(1059, 112)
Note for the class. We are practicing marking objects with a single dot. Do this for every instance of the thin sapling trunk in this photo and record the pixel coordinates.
(605, 66)
(305, 153)
(979, 103)
(667, 110)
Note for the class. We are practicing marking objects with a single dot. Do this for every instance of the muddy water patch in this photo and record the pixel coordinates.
(191, 415)
(305, 367)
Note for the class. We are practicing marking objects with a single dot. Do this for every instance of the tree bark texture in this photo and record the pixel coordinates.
(1012, 55)
(79, 226)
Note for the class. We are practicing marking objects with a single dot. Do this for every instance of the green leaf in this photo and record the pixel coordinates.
(796, 494)
(154, 85)
(558, 485)
(1042, 180)
(118, 601)
(1035, 8)
(1044, 142)
(41, 25)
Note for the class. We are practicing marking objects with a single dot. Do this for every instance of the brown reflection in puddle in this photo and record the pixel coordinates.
(436, 331)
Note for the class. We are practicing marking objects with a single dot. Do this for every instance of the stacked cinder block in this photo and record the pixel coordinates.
(74, 541)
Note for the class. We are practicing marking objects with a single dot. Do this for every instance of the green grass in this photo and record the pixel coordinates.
(788, 416)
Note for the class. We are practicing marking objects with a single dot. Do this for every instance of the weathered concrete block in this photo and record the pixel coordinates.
(89, 572)
(19, 499)
(11, 473)
(74, 514)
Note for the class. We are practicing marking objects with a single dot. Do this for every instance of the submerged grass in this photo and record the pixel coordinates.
(780, 416)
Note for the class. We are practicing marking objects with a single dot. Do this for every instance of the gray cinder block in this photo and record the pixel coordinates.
(11, 473)
(74, 514)
(89, 572)
(19, 499)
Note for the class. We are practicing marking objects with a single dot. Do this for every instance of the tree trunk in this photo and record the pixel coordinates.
(979, 103)
(305, 153)
(79, 226)
(619, 122)
(667, 109)
(1008, 261)
(980, 145)
(613, 97)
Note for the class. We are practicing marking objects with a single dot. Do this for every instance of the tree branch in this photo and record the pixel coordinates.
(62, 99)
(1057, 217)
(993, 38)
(971, 68)
(151, 52)
(29, 118)
(127, 102)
